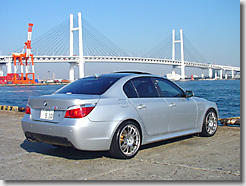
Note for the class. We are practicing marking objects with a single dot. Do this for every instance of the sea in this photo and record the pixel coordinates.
(225, 93)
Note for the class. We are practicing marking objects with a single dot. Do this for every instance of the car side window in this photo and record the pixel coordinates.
(130, 90)
(145, 87)
(168, 89)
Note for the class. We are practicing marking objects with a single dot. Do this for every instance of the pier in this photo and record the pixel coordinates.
(184, 158)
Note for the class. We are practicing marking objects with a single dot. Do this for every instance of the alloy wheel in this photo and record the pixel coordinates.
(211, 123)
(129, 141)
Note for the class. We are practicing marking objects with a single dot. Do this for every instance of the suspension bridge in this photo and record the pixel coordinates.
(77, 44)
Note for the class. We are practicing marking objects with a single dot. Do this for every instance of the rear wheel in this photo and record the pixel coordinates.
(210, 123)
(126, 141)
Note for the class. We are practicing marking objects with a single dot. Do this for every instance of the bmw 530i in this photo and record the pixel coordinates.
(117, 112)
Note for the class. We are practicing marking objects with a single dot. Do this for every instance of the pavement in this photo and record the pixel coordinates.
(181, 159)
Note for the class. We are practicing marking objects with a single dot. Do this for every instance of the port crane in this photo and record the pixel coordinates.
(23, 59)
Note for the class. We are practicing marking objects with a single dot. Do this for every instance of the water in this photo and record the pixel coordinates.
(18, 95)
(226, 93)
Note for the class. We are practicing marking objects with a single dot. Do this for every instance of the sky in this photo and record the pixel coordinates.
(136, 26)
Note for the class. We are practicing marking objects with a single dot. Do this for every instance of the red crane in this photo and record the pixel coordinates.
(23, 59)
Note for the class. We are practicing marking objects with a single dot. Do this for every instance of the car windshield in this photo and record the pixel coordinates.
(89, 85)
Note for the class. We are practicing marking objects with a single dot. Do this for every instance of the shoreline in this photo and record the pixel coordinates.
(229, 122)
(36, 84)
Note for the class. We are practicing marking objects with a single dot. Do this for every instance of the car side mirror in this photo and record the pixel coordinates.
(189, 93)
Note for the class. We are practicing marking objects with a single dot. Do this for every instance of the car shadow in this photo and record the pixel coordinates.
(75, 154)
(164, 142)
(60, 151)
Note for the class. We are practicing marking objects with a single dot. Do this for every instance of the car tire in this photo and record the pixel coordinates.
(210, 123)
(126, 141)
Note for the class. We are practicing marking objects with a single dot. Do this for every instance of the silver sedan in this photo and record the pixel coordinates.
(117, 112)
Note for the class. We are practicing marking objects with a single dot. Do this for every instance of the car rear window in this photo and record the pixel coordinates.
(90, 85)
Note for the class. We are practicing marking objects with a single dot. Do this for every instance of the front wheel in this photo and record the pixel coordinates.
(126, 141)
(210, 123)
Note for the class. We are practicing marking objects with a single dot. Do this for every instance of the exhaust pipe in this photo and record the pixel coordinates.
(31, 139)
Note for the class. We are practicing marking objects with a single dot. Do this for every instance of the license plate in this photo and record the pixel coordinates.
(47, 114)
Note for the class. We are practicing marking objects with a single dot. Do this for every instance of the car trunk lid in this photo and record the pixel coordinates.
(56, 105)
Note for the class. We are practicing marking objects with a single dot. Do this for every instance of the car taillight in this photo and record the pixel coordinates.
(79, 112)
(28, 110)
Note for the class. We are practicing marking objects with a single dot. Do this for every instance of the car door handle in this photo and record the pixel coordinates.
(141, 106)
(172, 105)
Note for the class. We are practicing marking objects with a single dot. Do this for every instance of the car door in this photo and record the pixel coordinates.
(183, 111)
(153, 110)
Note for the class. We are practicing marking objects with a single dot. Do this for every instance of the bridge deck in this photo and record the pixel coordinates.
(115, 59)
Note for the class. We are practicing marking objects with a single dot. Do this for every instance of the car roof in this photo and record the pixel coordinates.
(132, 72)
(120, 74)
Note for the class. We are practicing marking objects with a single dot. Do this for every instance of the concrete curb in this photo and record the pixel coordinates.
(230, 121)
(12, 108)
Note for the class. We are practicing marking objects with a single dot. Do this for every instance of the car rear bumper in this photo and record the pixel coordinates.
(82, 133)
(35, 137)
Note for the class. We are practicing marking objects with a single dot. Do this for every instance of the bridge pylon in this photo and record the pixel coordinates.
(181, 41)
(81, 55)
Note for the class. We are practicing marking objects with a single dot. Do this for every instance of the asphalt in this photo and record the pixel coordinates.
(186, 158)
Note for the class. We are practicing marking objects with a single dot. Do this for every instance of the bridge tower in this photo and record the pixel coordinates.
(181, 41)
(81, 56)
